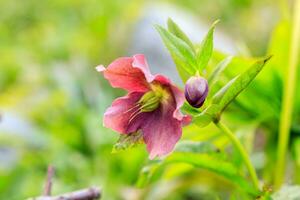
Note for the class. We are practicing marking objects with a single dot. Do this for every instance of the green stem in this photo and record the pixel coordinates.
(284, 9)
(242, 151)
(288, 98)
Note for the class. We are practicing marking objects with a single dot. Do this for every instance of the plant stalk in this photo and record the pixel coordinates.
(242, 151)
(288, 98)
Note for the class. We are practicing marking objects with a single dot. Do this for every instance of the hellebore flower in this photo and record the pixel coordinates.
(196, 90)
(151, 105)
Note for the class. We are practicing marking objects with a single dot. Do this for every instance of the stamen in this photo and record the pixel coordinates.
(133, 107)
(134, 115)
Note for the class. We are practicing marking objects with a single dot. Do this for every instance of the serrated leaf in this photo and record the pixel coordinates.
(174, 28)
(218, 70)
(126, 141)
(195, 147)
(182, 54)
(216, 165)
(205, 51)
(232, 89)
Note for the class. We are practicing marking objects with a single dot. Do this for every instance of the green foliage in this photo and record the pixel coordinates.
(208, 115)
(182, 54)
(50, 94)
(216, 74)
(216, 165)
(238, 84)
(201, 155)
(206, 48)
(187, 60)
(222, 98)
(48, 83)
(175, 29)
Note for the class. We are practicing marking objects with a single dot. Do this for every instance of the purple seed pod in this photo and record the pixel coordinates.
(196, 90)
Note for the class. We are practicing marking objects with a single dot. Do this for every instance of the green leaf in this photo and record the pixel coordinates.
(287, 193)
(174, 28)
(201, 155)
(148, 174)
(232, 89)
(220, 94)
(188, 109)
(208, 115)
(182, 54)
(126, 141)
(216, 165)
(218, 70)
(206, 48)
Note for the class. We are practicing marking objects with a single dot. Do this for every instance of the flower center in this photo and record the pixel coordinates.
(152, 99)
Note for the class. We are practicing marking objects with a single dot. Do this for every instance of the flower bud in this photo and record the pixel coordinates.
(196, 90)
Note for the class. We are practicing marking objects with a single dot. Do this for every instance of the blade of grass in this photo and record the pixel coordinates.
(288, 98)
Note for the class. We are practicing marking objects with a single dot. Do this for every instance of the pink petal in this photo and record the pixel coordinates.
(140, 62)
(119, 116)
(161, 131)
(131, 74)
(179, 99)
(178, 96)
(162, 80)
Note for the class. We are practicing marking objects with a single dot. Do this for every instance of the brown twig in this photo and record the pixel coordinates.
(91, 193)
(48, 184)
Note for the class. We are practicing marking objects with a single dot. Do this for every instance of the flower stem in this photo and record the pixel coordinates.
(242, 151)
(288, 98)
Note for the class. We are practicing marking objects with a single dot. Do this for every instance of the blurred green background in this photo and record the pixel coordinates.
(52, 99)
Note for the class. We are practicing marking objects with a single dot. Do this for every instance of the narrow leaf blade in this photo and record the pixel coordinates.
(182, 54)
(174, 28)
(216, 165)
(218, 70)
(206, 48)
(231, 90)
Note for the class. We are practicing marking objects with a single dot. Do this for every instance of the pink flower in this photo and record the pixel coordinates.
(151, 105)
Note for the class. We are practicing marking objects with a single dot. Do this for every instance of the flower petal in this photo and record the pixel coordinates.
(161, 131)
(119, 116)
(139, 61)
(131, 74)
(179, 99)
(178, 96)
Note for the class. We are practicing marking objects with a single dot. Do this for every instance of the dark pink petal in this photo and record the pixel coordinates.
(178, 97)
(131, 74)
(119, 116)
(162, 80)
(161, 131)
